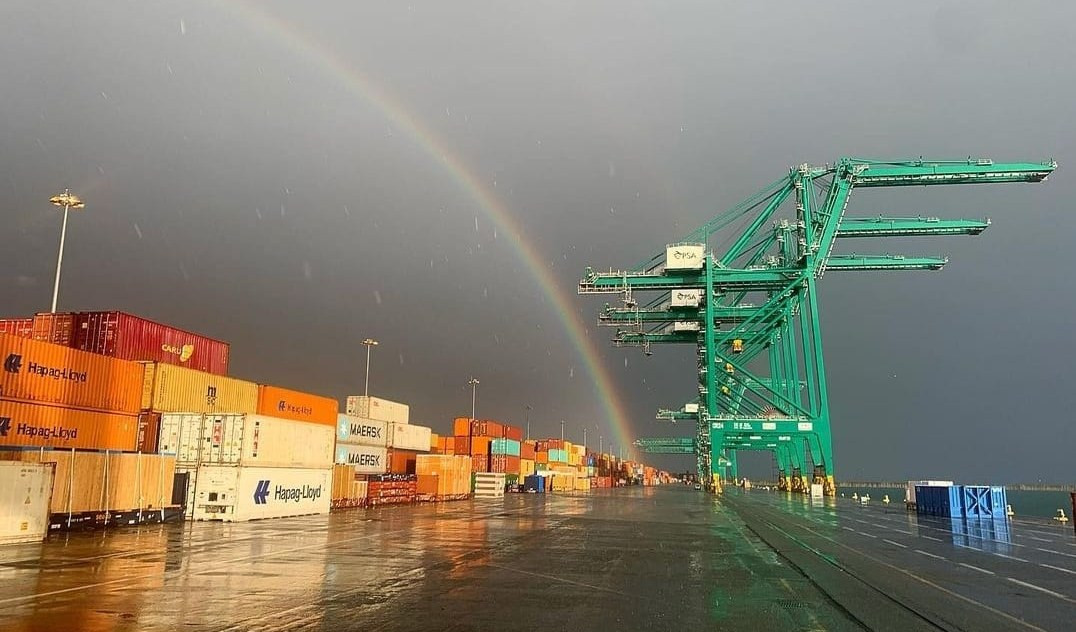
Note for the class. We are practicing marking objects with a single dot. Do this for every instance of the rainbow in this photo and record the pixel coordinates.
(353, 80)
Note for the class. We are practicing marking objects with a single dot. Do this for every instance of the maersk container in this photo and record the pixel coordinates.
(25, 494)
(686, 256)
(408, 437)
(377, 408)
(354, 430)
(247, 440)
(367, 459)
(129, 337)
(235, 494)
(44, 373)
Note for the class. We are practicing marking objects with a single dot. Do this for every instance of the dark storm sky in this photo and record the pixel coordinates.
(238, 188)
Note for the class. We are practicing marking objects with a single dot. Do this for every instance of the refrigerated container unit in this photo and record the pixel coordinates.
(364, 459)
(25, 494)
(354, 430)
(100, 489)
(237, 494)
(409, 437)
(377, 408)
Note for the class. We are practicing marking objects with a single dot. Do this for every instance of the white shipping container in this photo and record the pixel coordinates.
(236, 494)
(249, 440)
(488, 484)
(684, 256)
(379, 409)
(25, 495)
(685, 298)
(408, 437)
(355, 430)
(367, 459)
(691, 408)
(684, 325)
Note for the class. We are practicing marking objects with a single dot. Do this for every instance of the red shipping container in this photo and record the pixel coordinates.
(478, 428)
(494, 429)
(504, 463)
(59, 329)
(21, 327)
(128, 337)
(463, 445)
(526, 450)
(513, 433)
(479, 462)
(149, 432)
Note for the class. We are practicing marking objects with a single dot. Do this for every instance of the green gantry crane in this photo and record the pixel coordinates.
(751, 306)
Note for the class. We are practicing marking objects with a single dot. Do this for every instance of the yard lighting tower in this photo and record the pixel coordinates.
(370, 343)
(68, 201)
(474, 393)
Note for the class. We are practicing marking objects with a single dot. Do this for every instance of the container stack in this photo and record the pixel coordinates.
(80, 411)
(361, 450)
(404, 441)
(495, 448)
(442, 477)
(973, 502)
(391, 489)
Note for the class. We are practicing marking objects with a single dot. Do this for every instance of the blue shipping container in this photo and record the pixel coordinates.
(534, 483)
(939, 501)
(981, 501)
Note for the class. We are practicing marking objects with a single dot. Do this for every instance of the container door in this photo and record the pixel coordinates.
(180, 481)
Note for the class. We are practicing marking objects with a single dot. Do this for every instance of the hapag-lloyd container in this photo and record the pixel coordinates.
(409, 437)
(129, 337)
(288, 404)
(40, 426)
(235, 494)
(247, 440)
(377, 408)
(172, 389)
(25, 492)
(354, 430)
(44, 373)
(367, 459)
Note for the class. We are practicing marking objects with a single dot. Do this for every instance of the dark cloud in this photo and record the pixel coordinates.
(237, 186)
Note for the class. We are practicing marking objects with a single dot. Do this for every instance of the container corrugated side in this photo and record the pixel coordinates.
(44, 373)
(235, 494)
(172, 389)
(246, 440)
(409, 437)
(40, 426)
(377, 408)
(288, 404)
(58, 328)
(129, 337)
(354, 430)
(21, 327)
(25, 494)
(366, 459)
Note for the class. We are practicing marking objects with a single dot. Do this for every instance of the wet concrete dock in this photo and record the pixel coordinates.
(625, 559)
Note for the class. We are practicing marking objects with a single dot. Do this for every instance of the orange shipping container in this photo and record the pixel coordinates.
(480, 445)
(283, 403)
(38, 426)
(461, 427)
(39, 372)
(541, 457)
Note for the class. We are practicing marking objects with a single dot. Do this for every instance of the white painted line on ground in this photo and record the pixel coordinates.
(1055, 552)
(848, 528)
(1040, 589)
(1031, 537)
(976, 568)
(900, 531)
(929, 554)
(867, 534)
(1058, 568)
(903, 546)
(930, 537)
(1010, 557)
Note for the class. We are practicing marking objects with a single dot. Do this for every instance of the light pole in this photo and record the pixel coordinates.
(600, 444)
(562, 431)
(584, 439)
(527, 415)
(68, 201)
(474, 393)
(370, 343)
